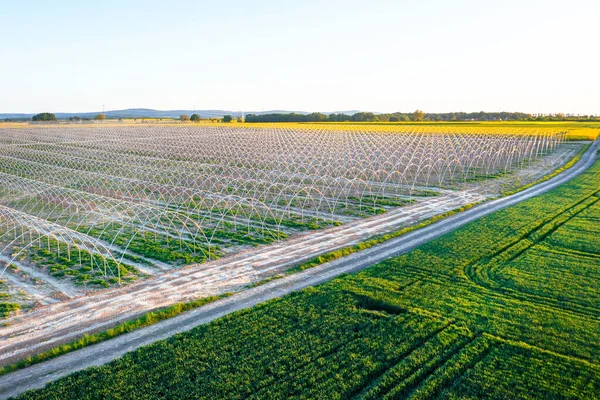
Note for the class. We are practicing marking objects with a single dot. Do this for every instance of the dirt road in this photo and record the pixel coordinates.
(70, 319)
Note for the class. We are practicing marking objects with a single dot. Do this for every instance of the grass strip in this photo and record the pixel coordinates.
(565, 167)
(147, 319)
(345, 251)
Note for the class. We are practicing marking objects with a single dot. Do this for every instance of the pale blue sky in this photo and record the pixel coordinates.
(378, 55)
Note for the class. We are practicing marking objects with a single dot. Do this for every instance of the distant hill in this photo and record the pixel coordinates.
(150, 113)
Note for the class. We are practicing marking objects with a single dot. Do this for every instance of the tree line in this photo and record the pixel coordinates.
(416, 116)
(46, 117)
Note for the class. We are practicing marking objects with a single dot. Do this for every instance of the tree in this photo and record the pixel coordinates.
(393, 118)
(364, 117)
(100, 117)
(316, 117)
(184, 117)
(195, 118)
(44, 117)
(227, 118)
(418, 115)
(339, 117)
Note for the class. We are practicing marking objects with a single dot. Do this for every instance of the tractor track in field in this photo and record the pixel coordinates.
(484, 272)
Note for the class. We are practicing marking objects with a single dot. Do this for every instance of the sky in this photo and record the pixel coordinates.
(378, 55)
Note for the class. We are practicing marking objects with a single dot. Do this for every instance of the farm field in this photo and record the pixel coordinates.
(505, 307)
(576, 130)
(87, 208)
(184, 216)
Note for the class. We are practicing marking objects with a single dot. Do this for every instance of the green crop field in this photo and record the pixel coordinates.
(506, 307)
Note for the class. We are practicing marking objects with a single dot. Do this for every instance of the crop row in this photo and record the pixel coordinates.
(6, 306)
(81, 266)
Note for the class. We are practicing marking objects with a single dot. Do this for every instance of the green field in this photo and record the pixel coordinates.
(506, 307)
(6, 307)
